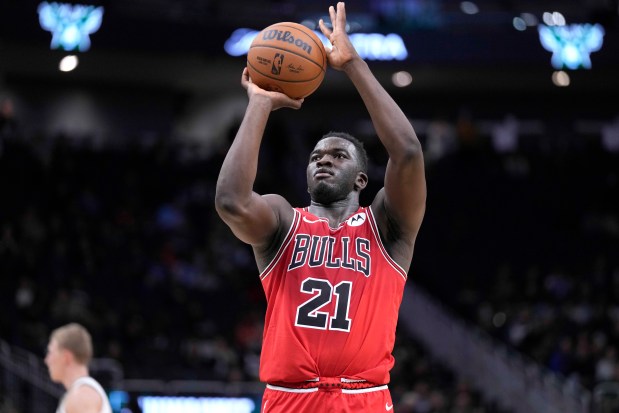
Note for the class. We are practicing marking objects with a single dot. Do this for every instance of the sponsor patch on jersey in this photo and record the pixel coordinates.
(356, 219)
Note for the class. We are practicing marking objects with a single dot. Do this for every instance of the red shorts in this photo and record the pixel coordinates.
(326, 400)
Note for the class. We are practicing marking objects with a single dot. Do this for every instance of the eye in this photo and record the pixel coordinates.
(314, 158)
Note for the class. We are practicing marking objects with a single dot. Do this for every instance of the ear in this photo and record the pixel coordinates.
(67, 356)
(361, 182)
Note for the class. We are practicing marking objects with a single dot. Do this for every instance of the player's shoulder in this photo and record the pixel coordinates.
(83, 399)
(277, 201)
(280, 205)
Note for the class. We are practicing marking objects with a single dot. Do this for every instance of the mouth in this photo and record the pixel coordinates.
(323, 173)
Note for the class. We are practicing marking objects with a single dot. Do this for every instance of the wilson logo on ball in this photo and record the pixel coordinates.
(286, 36)
(287, 57)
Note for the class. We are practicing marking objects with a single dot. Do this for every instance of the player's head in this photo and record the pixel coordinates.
(362, 155)
(68, 345)
(337, 167)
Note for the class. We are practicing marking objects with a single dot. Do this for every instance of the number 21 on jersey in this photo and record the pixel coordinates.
(323, 293)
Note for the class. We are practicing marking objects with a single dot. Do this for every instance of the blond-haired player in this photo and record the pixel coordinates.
(69, 353)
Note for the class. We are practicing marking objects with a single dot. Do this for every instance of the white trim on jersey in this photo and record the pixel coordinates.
(383, 250)
(282, 248)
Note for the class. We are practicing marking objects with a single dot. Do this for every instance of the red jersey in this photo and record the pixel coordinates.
(333, 297)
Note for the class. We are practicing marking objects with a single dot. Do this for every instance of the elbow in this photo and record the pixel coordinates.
(227, 205)
(411, 152)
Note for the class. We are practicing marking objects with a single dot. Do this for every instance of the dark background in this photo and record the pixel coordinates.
(107, 176)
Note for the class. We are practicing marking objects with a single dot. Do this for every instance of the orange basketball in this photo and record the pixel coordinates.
(289, 58)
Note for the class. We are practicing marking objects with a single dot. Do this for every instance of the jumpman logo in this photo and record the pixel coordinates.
(388, 406)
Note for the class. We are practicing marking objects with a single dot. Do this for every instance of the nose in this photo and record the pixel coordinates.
(324, 160)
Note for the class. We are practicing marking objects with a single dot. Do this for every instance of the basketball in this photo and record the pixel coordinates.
(288, 58)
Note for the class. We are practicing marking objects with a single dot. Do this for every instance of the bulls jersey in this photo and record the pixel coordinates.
(333, 297)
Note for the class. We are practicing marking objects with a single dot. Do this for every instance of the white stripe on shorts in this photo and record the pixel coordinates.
(313, 389)
(368, 390)
(289, 390)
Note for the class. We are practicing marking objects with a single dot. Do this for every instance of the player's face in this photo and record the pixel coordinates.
(332, 170)
(54, 359)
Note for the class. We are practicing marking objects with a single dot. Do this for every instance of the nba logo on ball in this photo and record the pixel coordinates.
(288, 58)
(276, 67)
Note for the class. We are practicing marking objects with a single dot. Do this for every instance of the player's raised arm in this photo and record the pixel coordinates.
(402, 201)
(253, 218)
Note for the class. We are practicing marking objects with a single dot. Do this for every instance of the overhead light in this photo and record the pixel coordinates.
(561, 78)
(402, 78)
(468, 7)
(68, 63)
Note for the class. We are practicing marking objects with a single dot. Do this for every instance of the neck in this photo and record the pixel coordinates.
(336, 212)
(74, 373)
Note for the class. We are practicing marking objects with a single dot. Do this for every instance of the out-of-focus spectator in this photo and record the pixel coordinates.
(505, 135)
(440, 140)
(8, 120)
(607, 366)
(610, 136)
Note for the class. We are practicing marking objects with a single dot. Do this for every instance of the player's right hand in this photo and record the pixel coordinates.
(278, 99)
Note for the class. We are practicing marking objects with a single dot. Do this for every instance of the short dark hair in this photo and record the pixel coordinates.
(362, 154)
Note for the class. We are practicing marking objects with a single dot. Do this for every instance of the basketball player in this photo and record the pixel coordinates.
(333, 272)
(68, 354)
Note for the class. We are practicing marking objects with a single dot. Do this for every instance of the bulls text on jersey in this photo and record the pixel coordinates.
(315, 251)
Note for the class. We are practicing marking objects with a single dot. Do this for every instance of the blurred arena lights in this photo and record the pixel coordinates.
(468, 7)
(519, 24)
(68, 63)
(571, 45)
(402, 78)
(175, 404)
(553, 18)
(70, 25)
(529, 19)
(561, 78)
(371, 46)
(525, 20)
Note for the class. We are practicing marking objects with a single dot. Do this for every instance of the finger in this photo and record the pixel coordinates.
(245, 80)
(341, 15)
(298, 103)
(324, 29)
(333, 16)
